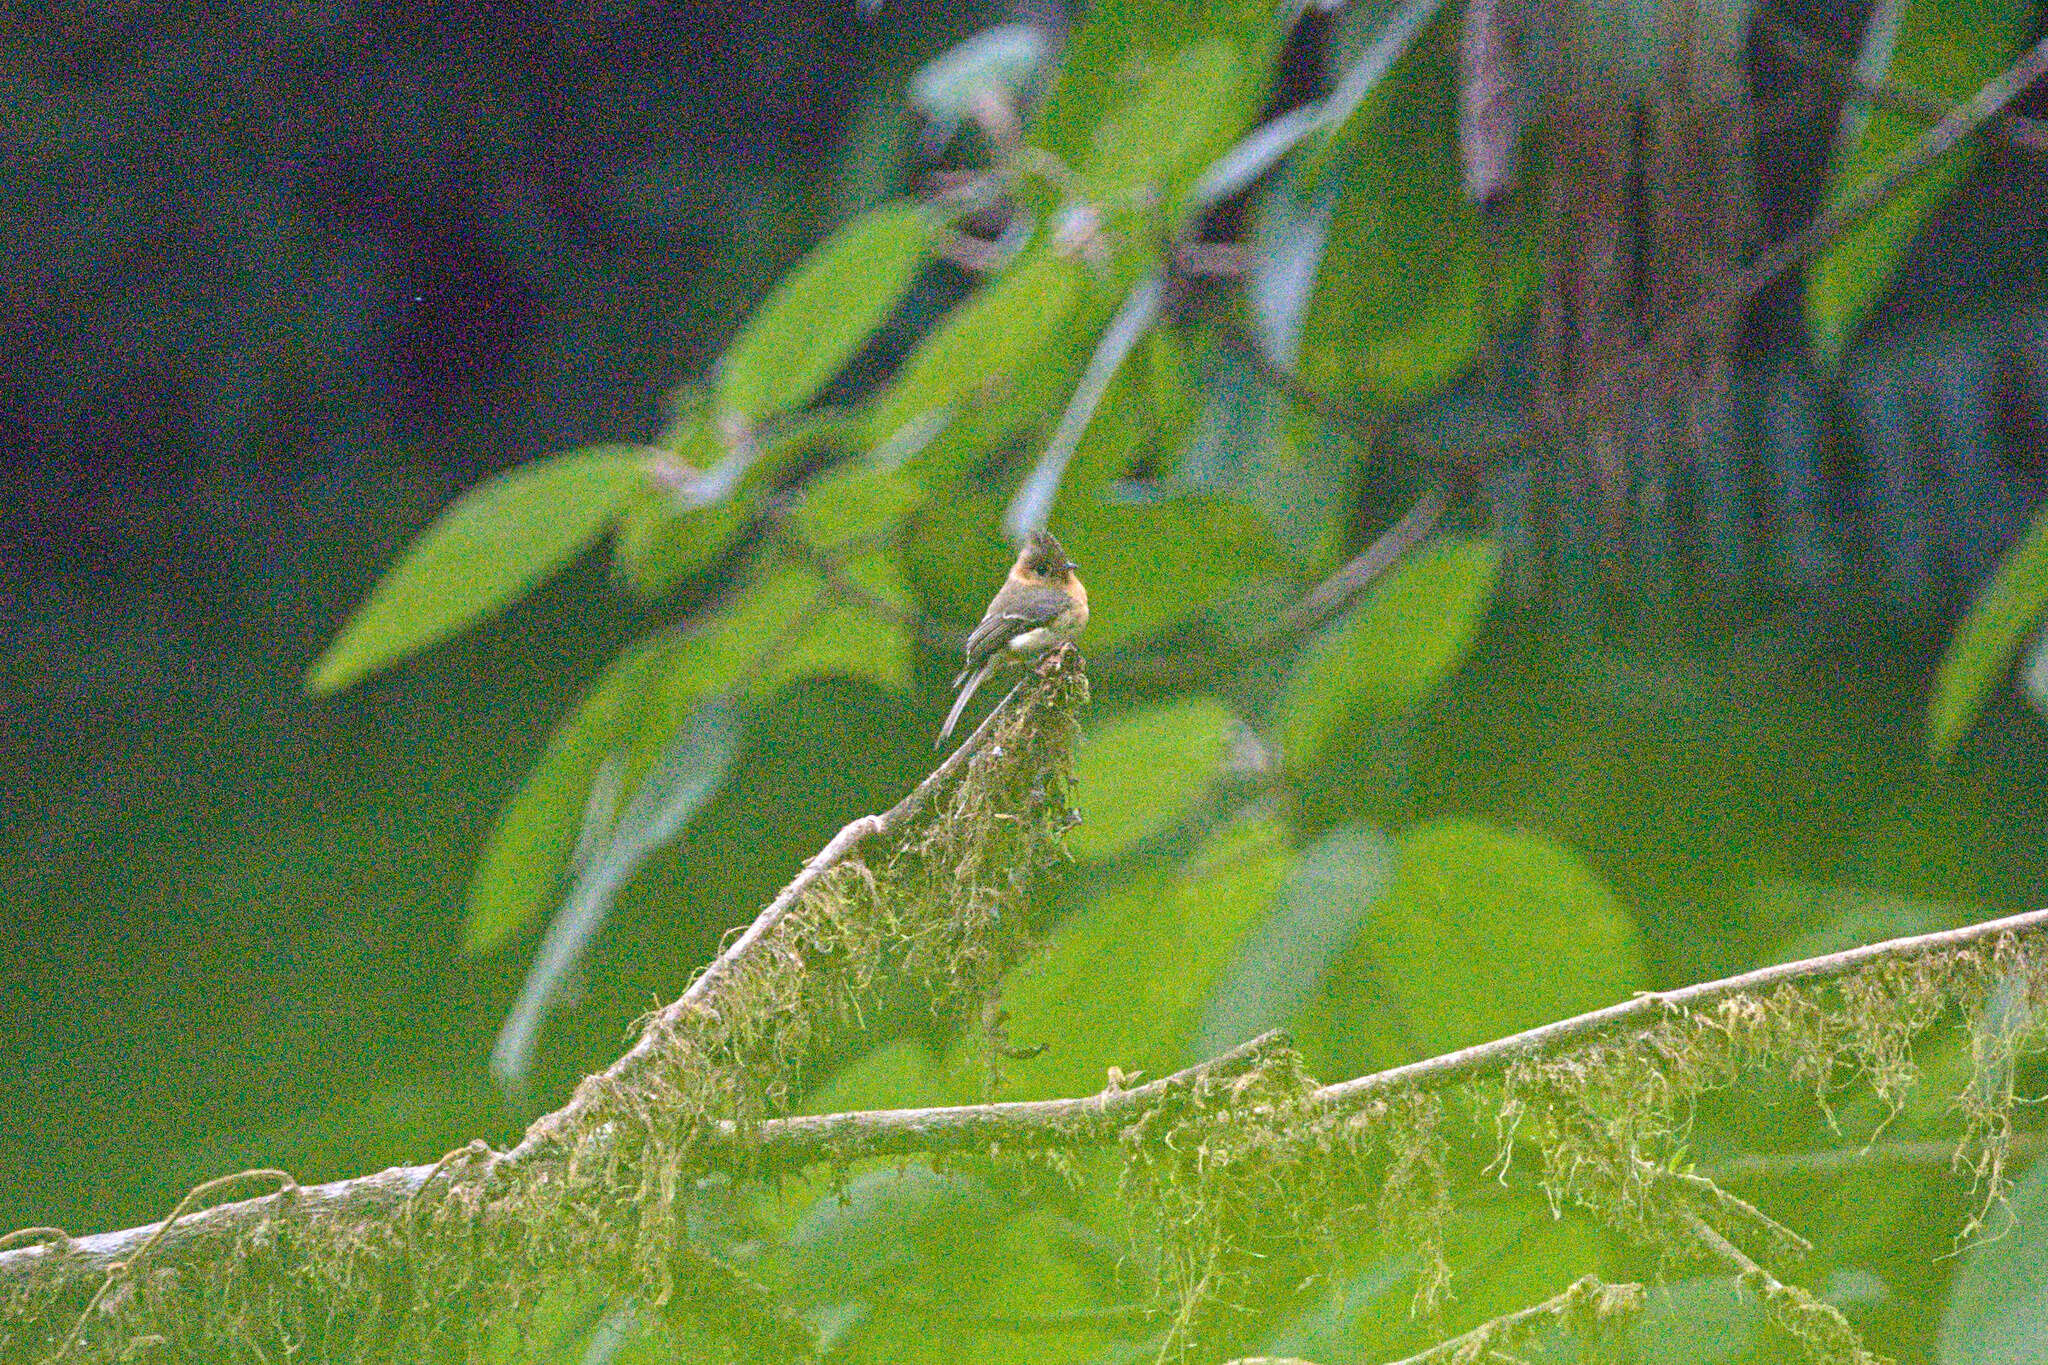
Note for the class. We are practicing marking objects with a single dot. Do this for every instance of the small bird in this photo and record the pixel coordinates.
(1041, 604)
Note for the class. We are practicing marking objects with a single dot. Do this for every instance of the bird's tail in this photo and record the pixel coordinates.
(960, 702)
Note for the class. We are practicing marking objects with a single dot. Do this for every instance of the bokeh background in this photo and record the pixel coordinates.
(281, 283)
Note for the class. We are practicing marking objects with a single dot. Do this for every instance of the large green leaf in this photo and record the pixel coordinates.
(822, 311)
(1250, 444)
(1982, 648)
(1117, 44)
(975, 353)
(1126, 978)
(865, 636)
(622, 828)
(876, 1263)
(658, 544)
(1187, 108)
(486, 551)
(1138, 774)
(1998, 1312)
(788, 622)
(1151, 563)
(1408, 283)
(1483, 932)
(785, 623)
(1947, 48)
(1378, 664)
(632, 707)
(856, 502)
(1504, 1254)
(1320, 908)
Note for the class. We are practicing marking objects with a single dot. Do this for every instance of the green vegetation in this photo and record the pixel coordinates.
(1386, 804)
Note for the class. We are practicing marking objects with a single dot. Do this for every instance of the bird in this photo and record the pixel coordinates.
(1041, 604)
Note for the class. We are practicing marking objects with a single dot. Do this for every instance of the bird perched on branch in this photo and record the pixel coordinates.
(1041, 604)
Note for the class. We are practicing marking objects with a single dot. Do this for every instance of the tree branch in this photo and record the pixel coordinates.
(387, 1194)
(1484, 1059)
(1804, 50)
(785, 1144)
(1836, 221)
(1876, 1156)
(1588, 1293)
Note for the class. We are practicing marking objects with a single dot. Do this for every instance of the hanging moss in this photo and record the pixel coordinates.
(1244, 1181)
(596, 1204)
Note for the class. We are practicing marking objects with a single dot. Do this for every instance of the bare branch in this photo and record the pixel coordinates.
(1836, 221)
(1806, 51)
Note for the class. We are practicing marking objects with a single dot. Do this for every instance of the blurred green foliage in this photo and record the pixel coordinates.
(1260, 844)
(1947, 50)
(1209, 901)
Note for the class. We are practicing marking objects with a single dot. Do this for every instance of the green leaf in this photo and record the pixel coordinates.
(822, 312)
(1998, 1311)
(1126, 978)
(1142, 772)
(1149, 564)
(849, 637)
(517, 879)
(2009, 606)
(1505, 1253)
(1408, 285)
(976, 352)
(1378, 664)
(657, 545)
(1114, 42)
(788, 623)
(963, 1251)
(1947, 48)
(495, 544)
(623, 826)
(855, 502)
(1483, 932)
(1319, 910)
(1189, 106)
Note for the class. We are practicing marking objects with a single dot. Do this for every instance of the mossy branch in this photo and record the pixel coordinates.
(596, 1195)
(1217, 1152)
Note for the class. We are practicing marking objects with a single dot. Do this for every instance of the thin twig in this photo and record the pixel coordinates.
(1838, 219)
(1795, 1310)
(1336, 592)
(1806, 51)
(1185, 667)
(1875, 1156)
(1587, 1291)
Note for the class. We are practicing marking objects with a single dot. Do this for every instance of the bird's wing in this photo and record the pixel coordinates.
(1016, 609)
